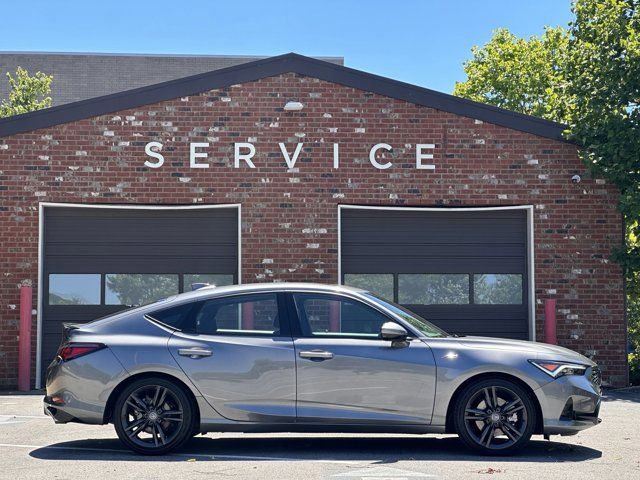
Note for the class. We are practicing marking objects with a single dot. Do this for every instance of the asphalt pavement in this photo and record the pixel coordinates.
(32, 446)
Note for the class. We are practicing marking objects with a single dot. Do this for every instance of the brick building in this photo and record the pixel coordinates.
(292, 168)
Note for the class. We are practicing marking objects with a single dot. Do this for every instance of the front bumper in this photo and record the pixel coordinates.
(571, 403)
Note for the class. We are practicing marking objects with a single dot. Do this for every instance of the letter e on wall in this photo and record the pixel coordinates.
(424, 156)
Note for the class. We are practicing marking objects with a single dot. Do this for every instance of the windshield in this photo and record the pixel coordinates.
(416, 321)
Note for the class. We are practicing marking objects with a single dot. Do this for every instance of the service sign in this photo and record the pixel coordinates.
(245, 151)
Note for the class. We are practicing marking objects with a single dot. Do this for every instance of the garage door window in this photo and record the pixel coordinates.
(210, 278)
(443, 288)
(138, 289)
(74, 289)
(379, 283)
(502, 289)
(433, 289)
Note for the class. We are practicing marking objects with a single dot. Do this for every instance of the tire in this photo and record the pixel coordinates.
(153, 416)
(492, 430)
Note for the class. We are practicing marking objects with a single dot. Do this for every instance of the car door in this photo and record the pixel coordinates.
(347, 374)
(239, 353)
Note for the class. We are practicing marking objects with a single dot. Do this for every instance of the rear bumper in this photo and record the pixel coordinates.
(55, 411)
(81, 387)
(570, 404)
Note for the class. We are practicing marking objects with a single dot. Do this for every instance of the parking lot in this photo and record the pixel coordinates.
(32, 446)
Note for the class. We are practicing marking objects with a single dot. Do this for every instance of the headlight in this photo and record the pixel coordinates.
(558, 369)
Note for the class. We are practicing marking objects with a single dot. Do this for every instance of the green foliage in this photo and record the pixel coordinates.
(28, 93)
(587, 76)
(433, 288)
(633, 317)
(604, 80)
(61, 300)
(500, 289)
(522, 75)
(378, 283)
(134, 289)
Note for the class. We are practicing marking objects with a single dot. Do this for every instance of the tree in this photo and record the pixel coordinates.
(587, 76)
(28, 93)
(526, 76)
(604, 80)
(139, 289)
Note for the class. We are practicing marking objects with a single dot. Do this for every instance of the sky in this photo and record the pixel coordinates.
(424, 42)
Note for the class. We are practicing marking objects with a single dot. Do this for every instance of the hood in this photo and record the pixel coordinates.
(543, 351)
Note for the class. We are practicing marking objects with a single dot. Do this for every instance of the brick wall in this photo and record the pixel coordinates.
(289, 218)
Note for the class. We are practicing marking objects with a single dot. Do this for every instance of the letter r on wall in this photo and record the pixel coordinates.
(237, 156)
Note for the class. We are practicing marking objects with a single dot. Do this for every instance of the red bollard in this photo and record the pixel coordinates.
(24, 342)
(550, 321)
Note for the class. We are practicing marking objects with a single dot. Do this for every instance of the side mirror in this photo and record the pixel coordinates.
(393, 331)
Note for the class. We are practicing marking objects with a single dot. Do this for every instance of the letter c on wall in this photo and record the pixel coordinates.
(372, 156)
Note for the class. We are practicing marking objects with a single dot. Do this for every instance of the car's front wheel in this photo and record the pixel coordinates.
(153, 416)
(494, 416)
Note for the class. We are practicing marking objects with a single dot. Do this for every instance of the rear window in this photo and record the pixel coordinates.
(174, 317)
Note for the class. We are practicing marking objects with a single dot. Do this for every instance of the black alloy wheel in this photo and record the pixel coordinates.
(153, 416)
(495, 417)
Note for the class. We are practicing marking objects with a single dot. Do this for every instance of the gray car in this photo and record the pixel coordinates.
(302, 357)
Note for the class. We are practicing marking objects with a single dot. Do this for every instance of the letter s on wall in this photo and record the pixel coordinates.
(157, 155)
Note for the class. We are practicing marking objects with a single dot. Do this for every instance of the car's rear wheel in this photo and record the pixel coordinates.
(494, 416)
(153, 416)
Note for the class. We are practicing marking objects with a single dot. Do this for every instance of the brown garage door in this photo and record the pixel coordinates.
(464, 270)
(97, 261)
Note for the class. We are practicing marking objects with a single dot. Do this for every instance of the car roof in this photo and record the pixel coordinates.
(213, 291)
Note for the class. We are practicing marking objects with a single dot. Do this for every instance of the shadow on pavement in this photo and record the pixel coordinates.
(630, 394)
(378, 449)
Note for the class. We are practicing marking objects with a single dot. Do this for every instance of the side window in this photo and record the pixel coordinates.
(240, 315)
(175, 317)
(330, 315)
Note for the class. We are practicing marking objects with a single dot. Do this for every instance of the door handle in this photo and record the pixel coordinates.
(316, 355)
(194, 352)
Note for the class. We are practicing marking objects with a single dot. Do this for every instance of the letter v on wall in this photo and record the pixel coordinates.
(291, 162)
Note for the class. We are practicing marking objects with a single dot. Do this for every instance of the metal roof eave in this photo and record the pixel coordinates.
(269, 67)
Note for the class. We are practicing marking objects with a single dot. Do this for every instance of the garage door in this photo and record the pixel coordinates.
(97, 261)
(464, 270)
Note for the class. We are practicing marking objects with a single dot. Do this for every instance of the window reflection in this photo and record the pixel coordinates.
(138, 289)
(379, 283)
(503, 288)
(210, 278)
(433, 289)
(74, 289)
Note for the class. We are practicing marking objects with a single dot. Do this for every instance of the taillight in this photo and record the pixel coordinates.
(75, 350)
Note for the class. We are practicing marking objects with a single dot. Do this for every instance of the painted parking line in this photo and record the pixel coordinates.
(187, 455)
(22, 397)
(39, 417)
(7, 419)
(384, 473)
